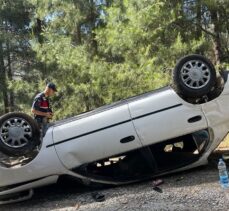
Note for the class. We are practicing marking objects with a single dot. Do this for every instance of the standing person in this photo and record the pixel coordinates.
(41, 106)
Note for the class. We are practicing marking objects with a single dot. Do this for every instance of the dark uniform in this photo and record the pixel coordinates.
(41, 103)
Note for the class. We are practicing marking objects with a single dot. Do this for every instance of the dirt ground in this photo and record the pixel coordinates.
(196, 189)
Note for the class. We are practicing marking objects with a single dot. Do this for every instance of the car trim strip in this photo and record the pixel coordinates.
(157, 111)
(88, 133)
(113, 125)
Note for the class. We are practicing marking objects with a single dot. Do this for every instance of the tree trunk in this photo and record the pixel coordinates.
(216, 38)
(3, 84)
(38, 30)
(10, 77)
(198, 19)
(92, 20)
(94, 44)
(77, 35)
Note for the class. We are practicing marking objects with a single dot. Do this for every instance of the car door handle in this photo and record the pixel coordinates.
(195, 119)
(127, 139)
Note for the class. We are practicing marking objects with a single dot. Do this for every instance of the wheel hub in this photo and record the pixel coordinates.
(15, 132)
(195, 74)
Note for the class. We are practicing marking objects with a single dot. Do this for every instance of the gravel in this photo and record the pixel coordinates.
(196, 189)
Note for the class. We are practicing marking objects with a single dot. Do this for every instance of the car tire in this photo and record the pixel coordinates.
(194, 76)
(19, 134)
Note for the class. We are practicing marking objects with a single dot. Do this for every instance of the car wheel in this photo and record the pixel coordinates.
(194, 76)
(19, 134)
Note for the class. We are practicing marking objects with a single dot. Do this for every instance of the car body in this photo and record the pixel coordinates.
(145, 136)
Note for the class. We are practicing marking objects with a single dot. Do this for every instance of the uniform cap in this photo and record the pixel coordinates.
(52, 86)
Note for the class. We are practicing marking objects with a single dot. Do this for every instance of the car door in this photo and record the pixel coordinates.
(97, 136)
(163, 115)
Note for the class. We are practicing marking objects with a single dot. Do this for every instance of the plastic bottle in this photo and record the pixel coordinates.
(223, 175)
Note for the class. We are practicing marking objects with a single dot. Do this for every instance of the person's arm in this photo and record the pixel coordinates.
(40, 113)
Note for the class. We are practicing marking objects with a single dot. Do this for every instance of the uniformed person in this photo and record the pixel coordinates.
(41, 106)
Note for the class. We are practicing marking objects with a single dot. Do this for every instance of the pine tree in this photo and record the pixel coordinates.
(16, 56)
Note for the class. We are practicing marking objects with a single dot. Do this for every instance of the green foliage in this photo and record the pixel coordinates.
(18, 67)
(99, 52)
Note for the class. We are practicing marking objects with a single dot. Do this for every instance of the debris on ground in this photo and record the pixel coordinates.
(98, 197)
(156, 183)
(179, 179)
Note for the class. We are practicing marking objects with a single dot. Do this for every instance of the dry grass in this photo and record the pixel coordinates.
(225, 143)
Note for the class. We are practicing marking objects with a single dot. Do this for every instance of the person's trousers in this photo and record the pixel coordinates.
(43, 126)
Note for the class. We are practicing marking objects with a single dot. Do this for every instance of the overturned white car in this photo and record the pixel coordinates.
(159, 132)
